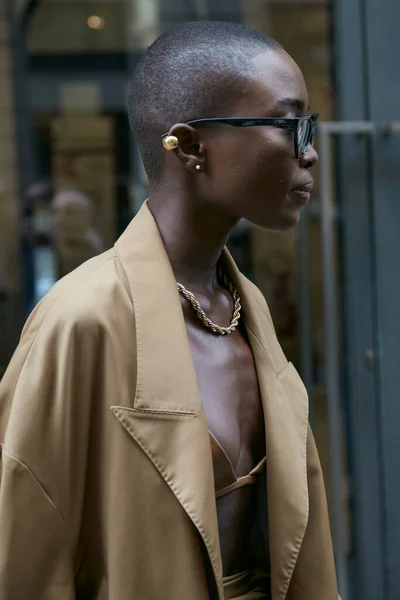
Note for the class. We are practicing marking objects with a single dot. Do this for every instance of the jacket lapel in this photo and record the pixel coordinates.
(166, 418)
(285, 406)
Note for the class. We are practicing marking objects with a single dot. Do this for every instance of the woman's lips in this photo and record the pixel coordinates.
(303, 192)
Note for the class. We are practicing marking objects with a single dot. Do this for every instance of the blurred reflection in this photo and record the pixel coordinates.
(58, 235)
(37, 205)
(37, 240)
(75, 239)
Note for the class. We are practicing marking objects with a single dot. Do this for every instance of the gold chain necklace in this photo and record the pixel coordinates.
(237, 307)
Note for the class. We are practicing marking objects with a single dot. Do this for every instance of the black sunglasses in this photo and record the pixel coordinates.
(304, 128)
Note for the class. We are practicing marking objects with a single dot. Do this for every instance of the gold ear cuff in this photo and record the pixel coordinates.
(170, 142)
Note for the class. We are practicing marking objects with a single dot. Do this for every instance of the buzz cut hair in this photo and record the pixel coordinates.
(194, 70)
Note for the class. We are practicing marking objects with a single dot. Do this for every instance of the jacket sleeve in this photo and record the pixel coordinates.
(35, 561)
(45, 399)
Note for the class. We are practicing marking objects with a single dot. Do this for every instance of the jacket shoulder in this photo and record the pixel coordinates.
(86, 315)
(82, 296)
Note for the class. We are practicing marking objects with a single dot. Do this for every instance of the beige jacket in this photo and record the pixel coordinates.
(107, 485)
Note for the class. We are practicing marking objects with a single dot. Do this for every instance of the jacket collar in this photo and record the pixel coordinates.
(285, 406)
(162, 345)
(166, 417)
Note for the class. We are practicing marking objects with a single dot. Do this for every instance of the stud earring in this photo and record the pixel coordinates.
(170, 142)
(198, 167)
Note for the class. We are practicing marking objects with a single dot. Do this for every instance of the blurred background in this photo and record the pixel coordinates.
(71, 179)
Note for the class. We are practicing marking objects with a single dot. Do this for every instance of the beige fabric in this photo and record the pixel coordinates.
(107, 487)
(244, 586)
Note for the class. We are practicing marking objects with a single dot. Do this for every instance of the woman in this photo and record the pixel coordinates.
(156, 442)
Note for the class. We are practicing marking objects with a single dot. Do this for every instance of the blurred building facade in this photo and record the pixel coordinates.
(332, 285)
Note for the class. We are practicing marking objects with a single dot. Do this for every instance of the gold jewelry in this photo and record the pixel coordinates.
(237, 307)
(170, 142)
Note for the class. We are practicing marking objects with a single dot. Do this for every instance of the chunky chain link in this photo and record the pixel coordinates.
(237, 307)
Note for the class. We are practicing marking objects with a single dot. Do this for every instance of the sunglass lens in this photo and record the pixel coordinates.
(313, 132)
(303, 135)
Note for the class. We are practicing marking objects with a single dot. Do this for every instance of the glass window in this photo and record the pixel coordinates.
(80, 55)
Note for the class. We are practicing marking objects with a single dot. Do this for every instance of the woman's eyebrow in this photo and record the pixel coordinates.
(293, 103)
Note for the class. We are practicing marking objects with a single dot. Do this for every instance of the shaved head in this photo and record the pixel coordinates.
(195, 70)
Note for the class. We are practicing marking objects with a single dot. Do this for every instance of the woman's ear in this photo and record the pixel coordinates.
(187, 147)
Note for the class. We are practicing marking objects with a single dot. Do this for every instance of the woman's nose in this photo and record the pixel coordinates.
(310, 158)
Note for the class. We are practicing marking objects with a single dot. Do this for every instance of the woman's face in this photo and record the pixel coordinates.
(253, 172)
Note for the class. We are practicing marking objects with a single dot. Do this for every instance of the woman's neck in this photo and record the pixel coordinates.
(194, 235)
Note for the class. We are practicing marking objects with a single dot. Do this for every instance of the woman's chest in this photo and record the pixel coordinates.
(229, 389)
